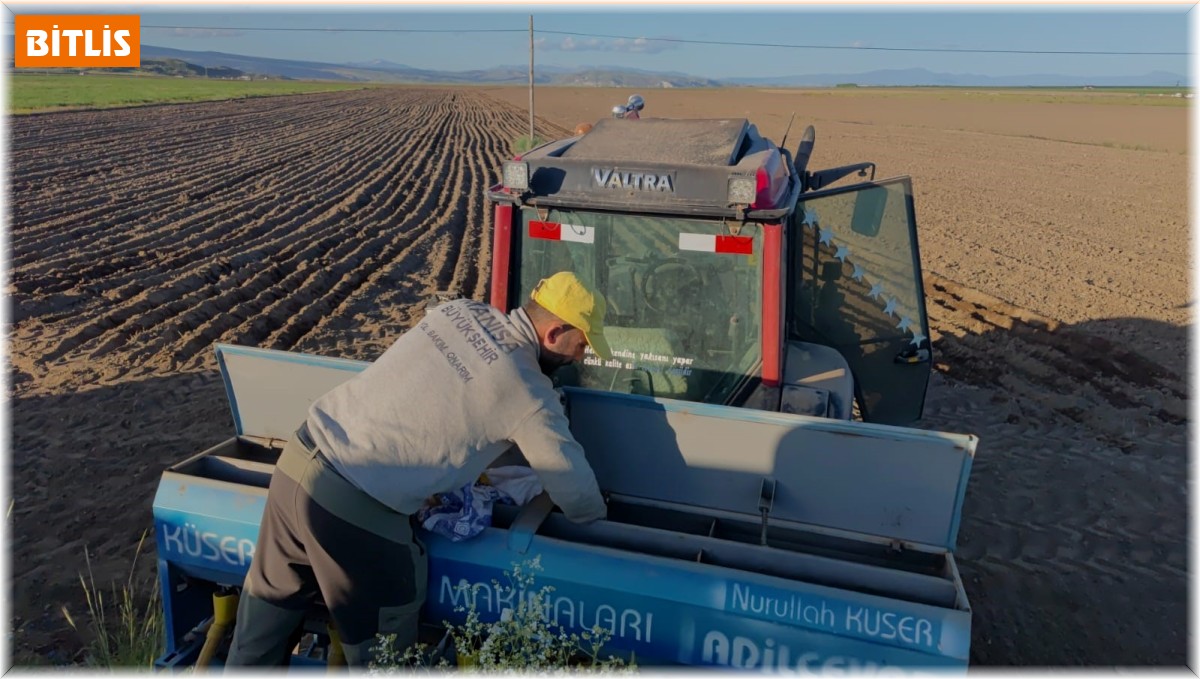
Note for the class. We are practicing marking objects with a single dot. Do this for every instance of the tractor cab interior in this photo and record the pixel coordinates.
(682, 322)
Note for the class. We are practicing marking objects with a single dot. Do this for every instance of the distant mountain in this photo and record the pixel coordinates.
(286, 68)
(179, 67)
(380, 70)
(541, 68)
(628, 78)
(920, 76)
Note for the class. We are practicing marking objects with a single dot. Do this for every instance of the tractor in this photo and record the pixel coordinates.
(770, 508)
(733, 274)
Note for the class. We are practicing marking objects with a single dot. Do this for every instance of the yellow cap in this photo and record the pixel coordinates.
(567, 297)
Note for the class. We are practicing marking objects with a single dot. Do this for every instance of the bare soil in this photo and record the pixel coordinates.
(1054, 238)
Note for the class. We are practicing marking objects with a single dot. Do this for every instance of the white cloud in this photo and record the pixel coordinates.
(634, 46)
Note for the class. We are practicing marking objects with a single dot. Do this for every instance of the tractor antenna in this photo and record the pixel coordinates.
(783, 143)
(531, 137)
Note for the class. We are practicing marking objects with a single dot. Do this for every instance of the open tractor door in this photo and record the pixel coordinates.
(855, 281)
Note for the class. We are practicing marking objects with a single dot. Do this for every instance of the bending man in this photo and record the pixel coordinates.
(437, 408)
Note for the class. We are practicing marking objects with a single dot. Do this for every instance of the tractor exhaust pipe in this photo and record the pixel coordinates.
(805, 150)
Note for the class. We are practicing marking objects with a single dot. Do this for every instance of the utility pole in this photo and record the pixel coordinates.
(531, 81)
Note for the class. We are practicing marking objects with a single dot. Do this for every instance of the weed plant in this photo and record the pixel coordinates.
(130, 636)
(523, 640)
(523, 144)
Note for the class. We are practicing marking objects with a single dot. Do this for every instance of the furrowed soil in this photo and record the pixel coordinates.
(1054, 238)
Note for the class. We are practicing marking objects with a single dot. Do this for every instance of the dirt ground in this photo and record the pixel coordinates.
(1054, 237)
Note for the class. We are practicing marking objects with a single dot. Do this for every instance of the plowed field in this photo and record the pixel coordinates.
(1056, 275)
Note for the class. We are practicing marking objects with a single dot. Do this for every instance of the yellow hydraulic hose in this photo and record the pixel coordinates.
(225, 606)
(337, 655)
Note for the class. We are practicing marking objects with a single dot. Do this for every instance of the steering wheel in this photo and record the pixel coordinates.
(667, 277)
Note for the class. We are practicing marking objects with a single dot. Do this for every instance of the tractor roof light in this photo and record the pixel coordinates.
(743, 189)
(516, 175)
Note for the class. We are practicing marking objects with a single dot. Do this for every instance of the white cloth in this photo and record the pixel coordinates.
(517, 482)
(467, 512)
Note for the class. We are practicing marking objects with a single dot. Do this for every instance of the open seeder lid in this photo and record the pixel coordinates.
(270, 391)
(886, 483)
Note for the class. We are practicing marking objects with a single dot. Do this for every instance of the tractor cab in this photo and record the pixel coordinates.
(732, 274)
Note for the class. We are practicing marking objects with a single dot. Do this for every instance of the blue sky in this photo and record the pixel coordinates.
(1063, 28)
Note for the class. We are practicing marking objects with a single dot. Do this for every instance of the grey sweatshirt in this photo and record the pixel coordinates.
(443, 402)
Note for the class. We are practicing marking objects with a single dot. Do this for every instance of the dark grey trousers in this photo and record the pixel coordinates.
(322, 536)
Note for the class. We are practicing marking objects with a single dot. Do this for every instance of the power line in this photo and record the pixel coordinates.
(849, 47)
(344, 30)
(731, 43)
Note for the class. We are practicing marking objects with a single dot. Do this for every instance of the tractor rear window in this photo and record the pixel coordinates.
(684, 306)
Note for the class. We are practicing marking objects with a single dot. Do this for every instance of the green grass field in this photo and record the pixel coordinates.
(30, 93)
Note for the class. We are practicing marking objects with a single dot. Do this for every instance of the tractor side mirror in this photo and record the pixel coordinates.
(868, 211)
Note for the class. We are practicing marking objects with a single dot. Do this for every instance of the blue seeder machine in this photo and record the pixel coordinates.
(768, 509)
